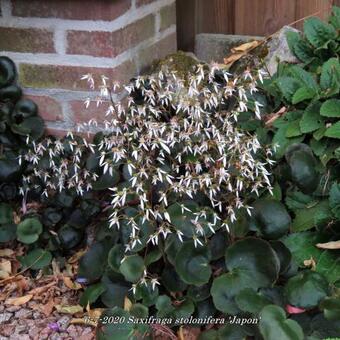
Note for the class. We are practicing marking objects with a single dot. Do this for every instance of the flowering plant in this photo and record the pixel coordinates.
(185, 162)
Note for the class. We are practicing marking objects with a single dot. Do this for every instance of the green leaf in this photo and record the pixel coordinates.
(293, 129)
(329, 265)
(32, 126)
(274, 325)
(7, 232)
(255, 257)
(296, 200)
(302, 94)
(152, 257)
(91, 294)
(302, 164)
(331, 308)
(122, 329)
(250, 301)
(28, 230)
(226, 287)
(192, 264)
(331, 108)
(132, 268)
(334, 199)
(311, 119)
(318, 32)
(271, 218)
(114, 293)
(306, 289)
(115, 257)
(6, 213)
(304, 78)
(333, 131)
(314, 216)
(288, 86)
(36, 259)
(283, 142)
(302, 246)
(330, 76)
(304, 51)
(93, 263)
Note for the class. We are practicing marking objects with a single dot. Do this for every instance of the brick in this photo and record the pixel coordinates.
(157, 51)
(71, 9)
(68, 77)
(107, 44)
(144, 2)
(26, 40)
(168, 16)
(81, 114)
(49, 108)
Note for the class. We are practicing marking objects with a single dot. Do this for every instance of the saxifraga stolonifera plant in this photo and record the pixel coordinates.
(187, 167)
(181, 164)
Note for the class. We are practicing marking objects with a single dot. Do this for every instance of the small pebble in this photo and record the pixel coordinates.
(4, 317)
(23, 313)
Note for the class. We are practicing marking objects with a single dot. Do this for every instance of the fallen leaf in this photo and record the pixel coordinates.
(42, 289)
(71, 284)
(4, 274)
(239, 51)
(246, 47)
(18, 301)
(83, 321)
(310, 263)
(329, 245)
(6, 252)
(6, 266)
(271, 118)
(69, 309)
(47, 308)
(127, 304)
(294, 310)
(76, 256)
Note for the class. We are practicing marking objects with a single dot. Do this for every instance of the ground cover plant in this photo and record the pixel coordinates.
(217, 195)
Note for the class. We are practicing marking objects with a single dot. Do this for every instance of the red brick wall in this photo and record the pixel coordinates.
(55, 42)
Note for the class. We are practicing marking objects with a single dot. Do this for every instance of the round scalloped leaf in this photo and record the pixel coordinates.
(306, 289)
(132, 268)
(198, 294)
(6, 213)
(9, 168)
(257, 258)
(147, 294)
(31, 126)
(274, 325)
(106, 181)
(93, 263)
(192, 264)
(302, 166)
(11, 93)
(271, 218)
(226, 287)
(28, 230)
(118, 330)
(7, 232)
(250, 301)
(171, 280)
(139, 311)
(114, 293)
(91, 294)
(115, 257)
(69, 237)
(24, 108)
(331, 308)
(36, 259)
(182, 219)
(7, 71)
(283, 254)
